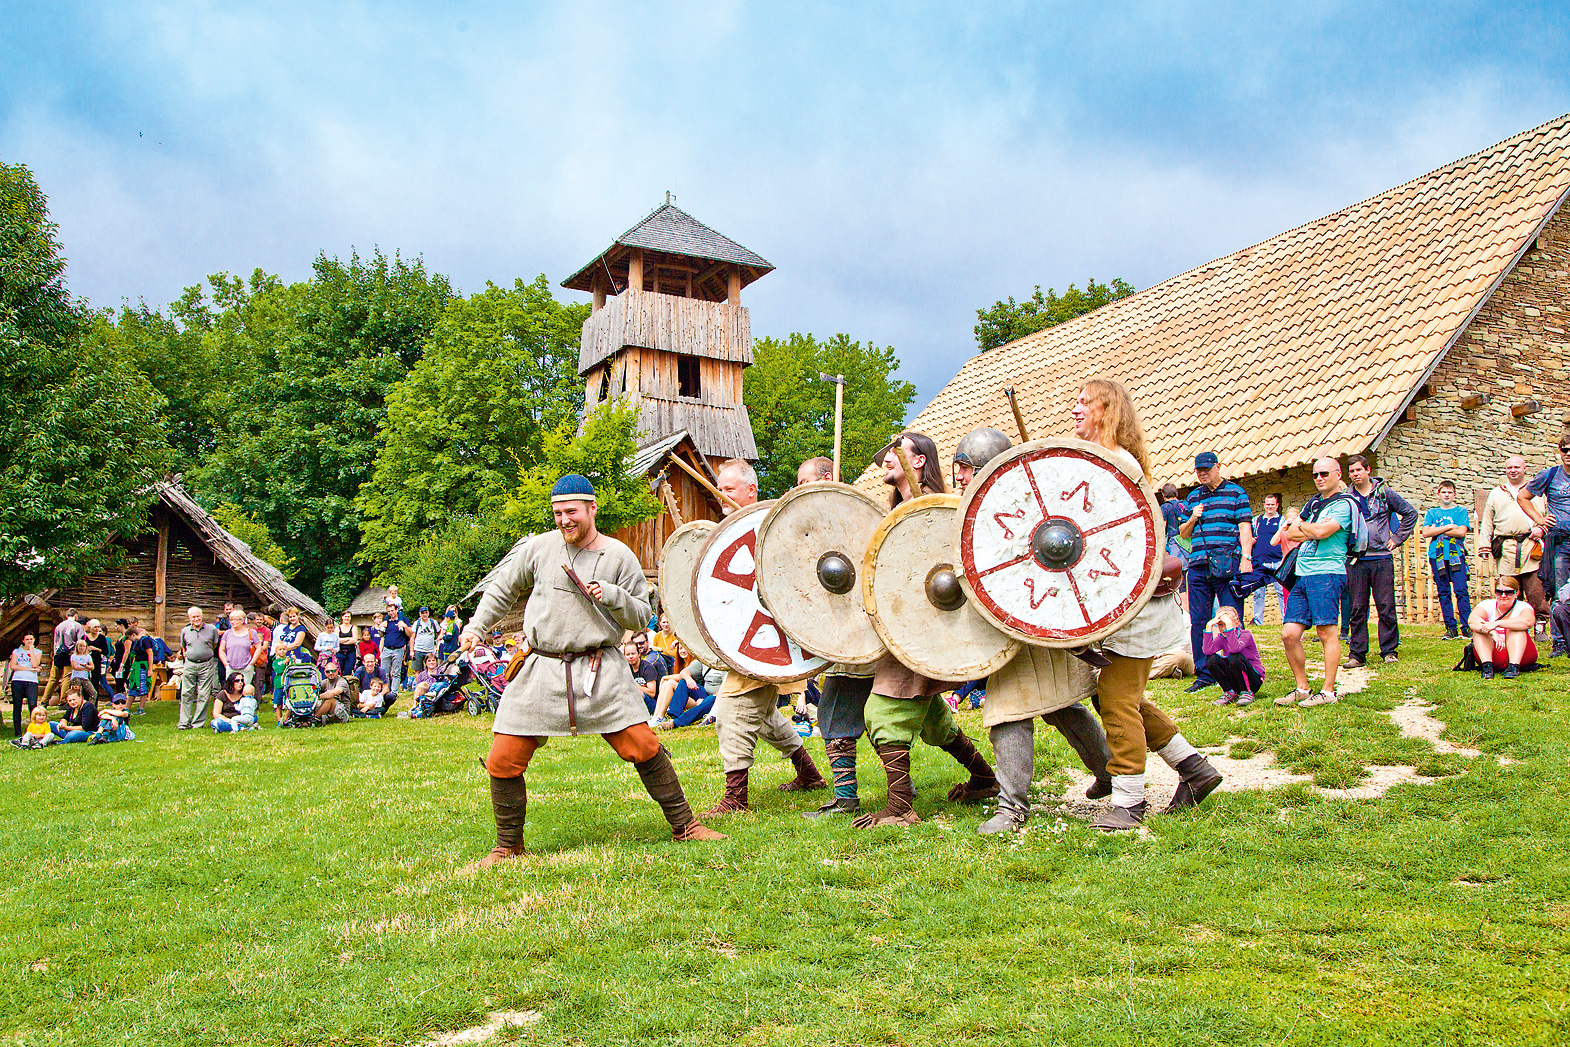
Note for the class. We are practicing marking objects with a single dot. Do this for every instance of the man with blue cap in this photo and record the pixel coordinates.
(583, 590)
(1220, 528)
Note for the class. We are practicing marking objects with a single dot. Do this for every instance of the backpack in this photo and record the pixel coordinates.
(161, 651)
(1357, 538)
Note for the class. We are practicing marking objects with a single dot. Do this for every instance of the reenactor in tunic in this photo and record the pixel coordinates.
(584, 589)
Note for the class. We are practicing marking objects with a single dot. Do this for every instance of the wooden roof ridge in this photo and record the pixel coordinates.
(1376, 293)
(236, 555)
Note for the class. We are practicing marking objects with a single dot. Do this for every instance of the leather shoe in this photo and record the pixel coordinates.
(1099, 788)
(1198, 685)
(1120, 819)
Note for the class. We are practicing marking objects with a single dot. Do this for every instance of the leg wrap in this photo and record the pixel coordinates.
(509, 805)
(807, 774)
(735, 798)
(1014, 747)
(842, 764)
(983, 783)
(659, 778)
(898, 810)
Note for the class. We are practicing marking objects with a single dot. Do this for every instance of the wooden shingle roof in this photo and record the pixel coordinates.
(1314, 340)
(670, 230)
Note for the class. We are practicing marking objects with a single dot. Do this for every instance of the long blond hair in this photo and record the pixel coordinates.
(1119, 421)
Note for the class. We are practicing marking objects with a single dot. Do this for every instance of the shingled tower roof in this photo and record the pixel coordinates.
(1314, 341)
(670, 231)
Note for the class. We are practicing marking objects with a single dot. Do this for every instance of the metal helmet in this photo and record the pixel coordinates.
(980, 446)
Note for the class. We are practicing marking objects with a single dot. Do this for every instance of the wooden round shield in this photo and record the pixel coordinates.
(810, 548)
(911, 589)
(730, 615)
(1061, 542)
(678, 563)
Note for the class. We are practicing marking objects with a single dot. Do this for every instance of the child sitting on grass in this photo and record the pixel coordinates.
(1232, 659)
(112, 723)
(36, 734)
(370, 704)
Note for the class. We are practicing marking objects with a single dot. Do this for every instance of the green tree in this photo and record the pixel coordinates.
(447, 561)
(261, 541)
(1006, 321)
(302, 377)
(80, 440)
(792, 411)
(603, 452)
(499, 372)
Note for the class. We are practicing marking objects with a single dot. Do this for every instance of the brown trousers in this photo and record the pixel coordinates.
(510, 753)
(1134, 725)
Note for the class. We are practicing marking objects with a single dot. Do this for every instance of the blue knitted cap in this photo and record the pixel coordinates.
(573, 488)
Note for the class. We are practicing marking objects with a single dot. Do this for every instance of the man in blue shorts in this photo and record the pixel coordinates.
(1315, 600)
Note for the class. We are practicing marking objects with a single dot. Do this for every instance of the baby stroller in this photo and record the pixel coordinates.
(445, 693)
(491, 670)
(301, 688)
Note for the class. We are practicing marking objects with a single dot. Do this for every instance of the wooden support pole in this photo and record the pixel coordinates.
(668, 496)
(599, 293)
(1019, 419)
(733, 289)
(635, 269)
(161, 573)
(724, 498)
(839, 414)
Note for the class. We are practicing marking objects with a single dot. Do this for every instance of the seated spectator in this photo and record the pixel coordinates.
(369, 670)
(37, 733)
(235, 707)
(372, 699)
(1174, 664)
(646, 650)
(429, 673)
(112, 723)
(338, 695)
(665, 640)
(81, 716)
(1502, 631)
(646, 673)
(685, 694)
(1237, 666)
(972, 692)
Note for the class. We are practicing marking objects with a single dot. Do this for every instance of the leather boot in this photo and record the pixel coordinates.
(898, 811)
(659, 778)
(1120, 819)
(509, 805)
(842, 764)
(735, 797)
(1199, 780)
(1088, 738)
(807, 775)
(983, 783)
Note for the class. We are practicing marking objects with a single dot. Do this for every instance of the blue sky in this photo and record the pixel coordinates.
(901, 164)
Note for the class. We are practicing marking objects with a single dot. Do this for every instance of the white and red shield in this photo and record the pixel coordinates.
(730, 615)
(678, 563)
(1061, 543)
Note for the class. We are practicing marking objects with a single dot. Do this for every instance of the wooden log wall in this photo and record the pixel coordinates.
(715, 330)
(646, 539)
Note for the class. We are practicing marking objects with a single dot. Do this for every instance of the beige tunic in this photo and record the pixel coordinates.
(1037, 681)
(559, 618)
(1503, 515)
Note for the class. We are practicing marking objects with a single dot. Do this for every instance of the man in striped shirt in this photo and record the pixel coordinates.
(1220, 530)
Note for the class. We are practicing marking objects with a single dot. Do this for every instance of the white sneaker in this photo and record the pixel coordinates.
(1322, 698)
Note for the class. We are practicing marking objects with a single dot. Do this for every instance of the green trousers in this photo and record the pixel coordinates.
(898, 721)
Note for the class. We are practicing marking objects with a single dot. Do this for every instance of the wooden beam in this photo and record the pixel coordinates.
(599, 292)
(1526, 407)
(724, 498)
(1475, 400)
(161, 573)
(733, 293)
(635, 269)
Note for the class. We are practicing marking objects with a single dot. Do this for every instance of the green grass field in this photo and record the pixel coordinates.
(304, 887)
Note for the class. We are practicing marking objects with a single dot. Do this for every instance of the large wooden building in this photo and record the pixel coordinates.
(1425, 327)
(184, 559)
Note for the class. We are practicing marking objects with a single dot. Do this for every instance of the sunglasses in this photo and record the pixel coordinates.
(1505, 592)
(1322, 472)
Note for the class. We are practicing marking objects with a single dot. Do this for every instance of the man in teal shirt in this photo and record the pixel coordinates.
(1315, 599)
(1446, 526)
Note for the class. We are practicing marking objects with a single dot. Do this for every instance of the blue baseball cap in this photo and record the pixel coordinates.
(1206, 460)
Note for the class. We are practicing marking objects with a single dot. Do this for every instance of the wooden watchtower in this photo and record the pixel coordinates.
(669, 332)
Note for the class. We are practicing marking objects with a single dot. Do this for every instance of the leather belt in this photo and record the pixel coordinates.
(567, 658)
